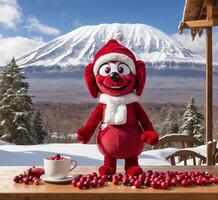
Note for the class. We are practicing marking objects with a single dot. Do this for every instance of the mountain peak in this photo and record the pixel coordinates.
(77, 48)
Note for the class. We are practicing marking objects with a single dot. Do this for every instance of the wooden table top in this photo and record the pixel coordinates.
(10, 190)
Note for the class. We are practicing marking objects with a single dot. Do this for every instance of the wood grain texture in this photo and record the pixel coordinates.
(46, 191)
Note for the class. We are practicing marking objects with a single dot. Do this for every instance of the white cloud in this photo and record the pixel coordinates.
(198, 46)
(17, 47)
(10, 13)
(33, 24)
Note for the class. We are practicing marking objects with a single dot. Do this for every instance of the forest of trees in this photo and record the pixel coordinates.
(16, 109)
(22, 122)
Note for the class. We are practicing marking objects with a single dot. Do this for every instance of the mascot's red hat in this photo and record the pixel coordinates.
(114, 51)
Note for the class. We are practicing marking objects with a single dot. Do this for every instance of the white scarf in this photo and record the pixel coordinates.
(116, 111)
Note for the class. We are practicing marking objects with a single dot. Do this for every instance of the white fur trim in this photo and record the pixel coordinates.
(114, 57)
(116, 111)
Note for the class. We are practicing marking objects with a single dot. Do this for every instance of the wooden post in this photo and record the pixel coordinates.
(209, 98)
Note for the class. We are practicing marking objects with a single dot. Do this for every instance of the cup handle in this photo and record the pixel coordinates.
(74, 165)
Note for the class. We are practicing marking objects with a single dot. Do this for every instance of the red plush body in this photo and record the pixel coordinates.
(124, 125)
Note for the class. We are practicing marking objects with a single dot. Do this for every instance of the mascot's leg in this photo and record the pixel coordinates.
(109, 166)
(132, 167)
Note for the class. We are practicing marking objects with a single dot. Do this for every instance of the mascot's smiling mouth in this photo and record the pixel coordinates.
(116, 87)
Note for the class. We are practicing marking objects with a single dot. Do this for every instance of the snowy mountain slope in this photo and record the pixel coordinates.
(86, 155)
(77, 48)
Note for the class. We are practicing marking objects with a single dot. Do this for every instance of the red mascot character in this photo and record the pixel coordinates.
(118, 79)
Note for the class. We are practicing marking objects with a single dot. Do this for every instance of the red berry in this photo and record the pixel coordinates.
(36, 182)
(79, 185)
(125, 181)
(115, 181)
(174, 181)
(86, 184)
(94, 174)
(109, 177)
(147, 182)
(184, 183)
(26, 180)
(137, 184)
(74, 182)
(57, 156)
(132, 181)
(153, 184)
(16, 179)
(94, 183)
(100, 182)
(164, 185)
(115, 176)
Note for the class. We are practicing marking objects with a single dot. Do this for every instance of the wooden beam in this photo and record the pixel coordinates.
(198, 24)
(209, 97)
(209, 6)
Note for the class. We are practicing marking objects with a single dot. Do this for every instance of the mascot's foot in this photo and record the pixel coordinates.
(106, 170)
(134, 170)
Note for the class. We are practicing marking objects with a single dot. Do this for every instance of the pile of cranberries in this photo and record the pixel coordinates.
(31, 176)
(56, 157)
(150, 178)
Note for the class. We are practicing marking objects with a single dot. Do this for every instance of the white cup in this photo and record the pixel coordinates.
(59, 169)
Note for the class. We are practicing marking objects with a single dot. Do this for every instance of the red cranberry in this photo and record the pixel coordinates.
(174, 181)
(36, 182)
(154, 185)
(147, 182)
(74, 182)
(86, 184)
(57, 156)
(184, 183)
(94, 183)
(109, 177)
(164, 185)
(26, 180)
(125, 181)
(100, 182)
(132, 181)
(79, 185)
(115, 181)
(16, 179)
(137, 184)
(94, 174)
(115, 176)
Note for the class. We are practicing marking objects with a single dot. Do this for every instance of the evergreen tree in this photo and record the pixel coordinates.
(37, 129)
(192, 122)
(170, 125)
(15, 106)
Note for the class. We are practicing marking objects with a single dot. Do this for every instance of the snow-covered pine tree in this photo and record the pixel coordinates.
(15, 106)
(37, 128)
(192, 122)
(170, 125)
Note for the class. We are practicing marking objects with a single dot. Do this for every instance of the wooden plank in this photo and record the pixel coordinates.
(45, 191)
(209, 97)
(198, 24)
(209, 5)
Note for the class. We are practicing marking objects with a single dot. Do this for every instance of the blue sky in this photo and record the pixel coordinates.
(28, 24)
(66, 15)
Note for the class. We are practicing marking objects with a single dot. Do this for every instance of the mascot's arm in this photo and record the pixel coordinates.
(149, 135)
(85, 133)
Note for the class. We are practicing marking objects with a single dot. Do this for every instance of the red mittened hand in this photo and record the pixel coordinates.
(150, 137)
(84, 134)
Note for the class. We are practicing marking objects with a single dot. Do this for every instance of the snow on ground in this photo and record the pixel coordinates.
(86, 155)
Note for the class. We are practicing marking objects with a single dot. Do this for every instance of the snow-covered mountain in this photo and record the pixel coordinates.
(77, 48)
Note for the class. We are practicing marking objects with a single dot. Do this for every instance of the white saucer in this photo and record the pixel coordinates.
(51, 180)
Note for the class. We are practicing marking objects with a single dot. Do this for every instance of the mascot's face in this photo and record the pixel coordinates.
(115, 79)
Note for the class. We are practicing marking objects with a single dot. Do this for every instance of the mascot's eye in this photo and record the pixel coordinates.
(123, 69)
(105, 70)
